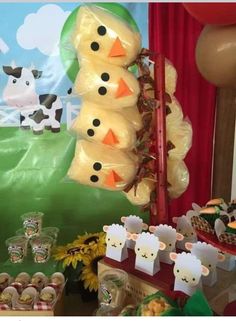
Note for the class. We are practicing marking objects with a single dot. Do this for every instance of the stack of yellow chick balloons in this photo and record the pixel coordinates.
(179, 138)
(109, 117)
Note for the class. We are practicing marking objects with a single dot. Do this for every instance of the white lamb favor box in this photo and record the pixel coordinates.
(184, 227)
(116, 242)
(187, 271)
(134, 225)
(168, 235)
(229, 263)
(146, 249)
(209, 257)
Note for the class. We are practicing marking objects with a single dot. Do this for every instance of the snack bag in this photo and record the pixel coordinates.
(158, 304)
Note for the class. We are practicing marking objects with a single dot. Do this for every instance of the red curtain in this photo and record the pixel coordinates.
(173, 32)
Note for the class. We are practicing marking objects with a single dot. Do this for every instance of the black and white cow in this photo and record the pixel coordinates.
(36, 111)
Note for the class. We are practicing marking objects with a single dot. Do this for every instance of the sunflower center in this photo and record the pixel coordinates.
(94, 264)
(91, 239)
(73, 250)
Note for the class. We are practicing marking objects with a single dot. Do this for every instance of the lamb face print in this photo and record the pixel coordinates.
(146, 249)
(133, 224)
(116, 242)
(187, 271)
(168, 235)
(209, 256)
(184, 227)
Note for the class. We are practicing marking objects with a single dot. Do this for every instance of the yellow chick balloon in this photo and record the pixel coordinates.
(180, 136)
(143, 192)
(177, 177)
(175, 115)
(102, 126)
(102, 166)
(133, 115)
(109, 86)
(101, 35)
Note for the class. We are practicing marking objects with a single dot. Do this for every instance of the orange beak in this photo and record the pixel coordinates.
(117, 50)
(110, 138)
(112, 178)
(123, 90)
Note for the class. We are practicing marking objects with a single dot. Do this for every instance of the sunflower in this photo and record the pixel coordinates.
(91, 242)
(69, 254)
(89, 271)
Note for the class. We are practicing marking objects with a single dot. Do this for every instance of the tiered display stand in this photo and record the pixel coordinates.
(212, 239)
(140, 284)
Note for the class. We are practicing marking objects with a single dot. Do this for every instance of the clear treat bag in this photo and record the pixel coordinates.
(111, 291)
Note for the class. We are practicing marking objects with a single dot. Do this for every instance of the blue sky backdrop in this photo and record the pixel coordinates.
(54, 79)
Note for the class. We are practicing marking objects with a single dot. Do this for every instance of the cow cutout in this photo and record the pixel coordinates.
(36, 111)
(100, 35)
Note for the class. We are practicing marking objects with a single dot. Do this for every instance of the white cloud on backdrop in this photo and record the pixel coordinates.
(3, 46)
(41, 30)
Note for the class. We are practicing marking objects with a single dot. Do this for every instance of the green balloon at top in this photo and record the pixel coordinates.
(67, 51)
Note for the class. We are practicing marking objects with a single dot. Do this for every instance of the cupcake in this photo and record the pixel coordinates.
(216, 202)
(210, 214)
(231, 227)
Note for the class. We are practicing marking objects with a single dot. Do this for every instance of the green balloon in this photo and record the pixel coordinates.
(67, 51)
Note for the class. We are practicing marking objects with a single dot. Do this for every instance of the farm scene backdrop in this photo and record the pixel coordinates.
(34, 162)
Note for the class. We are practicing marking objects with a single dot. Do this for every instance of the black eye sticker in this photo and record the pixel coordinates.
(102, 91)
(105, 76)
(94, 178)
(27, 83)
(96, 122)
(94, 46)
(97, 166)
(14, 81)
(101, 30)
(90, 132)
